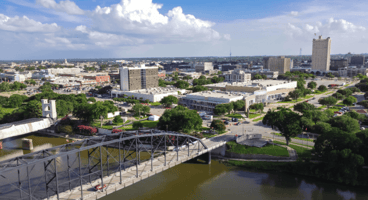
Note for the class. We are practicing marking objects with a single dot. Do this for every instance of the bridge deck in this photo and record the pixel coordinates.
(129, 175)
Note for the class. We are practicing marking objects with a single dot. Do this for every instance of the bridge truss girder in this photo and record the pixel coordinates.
(47, 173)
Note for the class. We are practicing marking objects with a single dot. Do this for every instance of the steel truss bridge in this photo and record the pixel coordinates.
(72, 171)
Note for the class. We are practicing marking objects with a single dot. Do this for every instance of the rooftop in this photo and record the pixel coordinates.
(254, 83)
(219, 94)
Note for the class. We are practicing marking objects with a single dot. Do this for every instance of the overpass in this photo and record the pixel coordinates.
(72, 171)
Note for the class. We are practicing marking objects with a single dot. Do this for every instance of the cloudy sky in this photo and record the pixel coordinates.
(52, 29)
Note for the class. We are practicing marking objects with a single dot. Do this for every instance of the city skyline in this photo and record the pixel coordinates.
(48, 29)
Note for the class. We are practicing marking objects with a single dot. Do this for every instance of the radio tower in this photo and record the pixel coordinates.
(300, 52)
(230, 54)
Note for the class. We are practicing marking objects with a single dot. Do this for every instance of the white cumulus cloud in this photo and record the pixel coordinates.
(142, 17)
(24, 24)
(63, 6)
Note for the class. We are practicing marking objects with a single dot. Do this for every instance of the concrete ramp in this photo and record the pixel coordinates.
(24, 127)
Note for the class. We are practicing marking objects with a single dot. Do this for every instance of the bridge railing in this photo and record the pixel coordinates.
(49, 172)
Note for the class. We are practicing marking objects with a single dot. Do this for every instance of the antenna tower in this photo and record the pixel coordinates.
(230, 54)
(300, 52)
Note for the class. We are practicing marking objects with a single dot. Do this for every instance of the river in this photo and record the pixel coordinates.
(192, 181)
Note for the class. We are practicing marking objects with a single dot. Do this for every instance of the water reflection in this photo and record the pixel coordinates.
(217, 182)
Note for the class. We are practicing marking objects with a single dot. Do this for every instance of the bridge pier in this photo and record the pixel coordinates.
(204, 158)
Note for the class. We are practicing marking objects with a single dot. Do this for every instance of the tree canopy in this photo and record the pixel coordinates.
(169, 101)
(180, 119)
(286, 121)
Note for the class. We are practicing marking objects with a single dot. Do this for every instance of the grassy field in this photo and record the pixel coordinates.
(321, 107)
(251, 115)
(235, 115)
(297, 138)
(97, 124)
(318, 92)
(155, 104)
(146, 123)
(341, 104)
(334, 108)
(267, 150)
(302, 152)
(259, 119)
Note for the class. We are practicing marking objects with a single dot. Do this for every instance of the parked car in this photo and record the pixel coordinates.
(226, 122)
(337, 112)
(99, 187)
(234, 119)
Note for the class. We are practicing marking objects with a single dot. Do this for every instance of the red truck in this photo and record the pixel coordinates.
(333, 85)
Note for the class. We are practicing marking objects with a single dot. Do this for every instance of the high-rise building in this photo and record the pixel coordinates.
(280, 64)
(357, 60)
(321, 54)
(136, 78)
(337, 64)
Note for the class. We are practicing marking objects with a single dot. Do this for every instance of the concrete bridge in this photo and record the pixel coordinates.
(31, 125)
(73, 170)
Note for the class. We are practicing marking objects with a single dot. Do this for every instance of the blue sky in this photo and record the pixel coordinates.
(48, 29)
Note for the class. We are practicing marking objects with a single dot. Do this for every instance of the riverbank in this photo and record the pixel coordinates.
(317, 170)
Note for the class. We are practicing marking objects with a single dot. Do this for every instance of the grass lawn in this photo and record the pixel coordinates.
(341, 104)
(155, 104)
(251, 115)
(259, 119)
(308, 96)
(109, 127)
(302, 152)
(235, 115)
(297, 138)
(334, 109)
(321, 107)
(319, 92)
(146, 123)
(267, 150)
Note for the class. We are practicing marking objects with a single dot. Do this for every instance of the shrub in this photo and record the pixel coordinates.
(218, 125)
(87, 130)
(66, 129)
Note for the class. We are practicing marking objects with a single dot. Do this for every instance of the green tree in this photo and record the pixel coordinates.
(218, 125)
(180, 119)
(345, 123)
(257, 76)
(118, 120)
(33, 109)
(140, 109)
(353, 114)
(220, 109)
(199, 88)
(338, 95)
(239, 104)
(182, 84)
(322, 127)
(350, 100)
(328, 101)
(305, 92)
(257, 106)
(137, 124)
(346, 92)
(98, 109)
(295, 94)
(304, 106)
(316, 115)
(287, 122)
(63, 107)
(312, 85)
(161, 83)
(91, 99)
(4, 87)
(322, 88)
(169, 101)
(16, 100)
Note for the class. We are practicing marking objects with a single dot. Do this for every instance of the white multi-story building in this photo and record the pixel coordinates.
(152, 94)
(237, 75)
(203, 66)
(321, 54)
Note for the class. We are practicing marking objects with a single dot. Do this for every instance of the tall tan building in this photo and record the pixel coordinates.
(136, 78)
(280, 64)
(321, 54)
